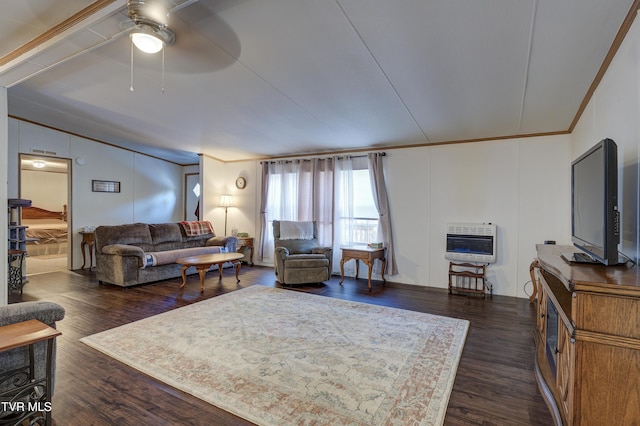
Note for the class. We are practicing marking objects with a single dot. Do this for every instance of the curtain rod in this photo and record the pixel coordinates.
(382, 153)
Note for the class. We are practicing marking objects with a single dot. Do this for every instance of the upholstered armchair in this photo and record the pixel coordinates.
(298, 257)
(46, 312)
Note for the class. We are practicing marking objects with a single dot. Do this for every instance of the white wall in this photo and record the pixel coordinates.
(521, 185)
(13, 167)
(215, 183)
(243, 216)
(498, 182)
(47, 190)
(544, 207)
(4, 193)
(474, 183)
(158, 188)
(151, 189)
(408, 177)
(613, 113)
(504, 182)
(219, 179)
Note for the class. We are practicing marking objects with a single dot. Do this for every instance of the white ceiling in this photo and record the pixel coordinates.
(263, 78)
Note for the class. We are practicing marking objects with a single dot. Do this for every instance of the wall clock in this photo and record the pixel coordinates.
(241, 182)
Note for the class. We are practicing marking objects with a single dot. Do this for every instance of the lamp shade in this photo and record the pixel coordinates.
(226, 201)
(146, 42)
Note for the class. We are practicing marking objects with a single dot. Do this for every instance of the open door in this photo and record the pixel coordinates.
(45, 181)
(192, 196)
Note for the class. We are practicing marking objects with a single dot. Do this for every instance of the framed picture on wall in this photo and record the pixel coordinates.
(105, 186)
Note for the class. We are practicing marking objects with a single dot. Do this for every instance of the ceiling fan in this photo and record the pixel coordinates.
(201, 40)
(148, 27)
(150, 21)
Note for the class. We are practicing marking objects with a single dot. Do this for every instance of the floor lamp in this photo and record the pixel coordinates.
(226, 201)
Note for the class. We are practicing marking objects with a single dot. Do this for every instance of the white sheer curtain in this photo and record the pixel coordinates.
(322, 199)
(343, 212)
(295, 190)
(322, 190)
(284, 198)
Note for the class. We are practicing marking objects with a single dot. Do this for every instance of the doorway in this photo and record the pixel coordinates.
(45, 181)
(192, 196)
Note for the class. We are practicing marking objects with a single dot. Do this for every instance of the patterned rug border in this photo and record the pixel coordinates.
(445, 379)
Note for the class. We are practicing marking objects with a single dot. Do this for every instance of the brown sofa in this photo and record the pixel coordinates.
(139, 253)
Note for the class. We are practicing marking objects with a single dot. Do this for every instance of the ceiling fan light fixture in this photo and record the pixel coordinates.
(148, 43)
(151, 32)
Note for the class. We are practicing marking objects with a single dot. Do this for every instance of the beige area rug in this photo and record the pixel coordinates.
(279, 357)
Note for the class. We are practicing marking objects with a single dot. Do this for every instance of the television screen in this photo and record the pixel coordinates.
(595, 219)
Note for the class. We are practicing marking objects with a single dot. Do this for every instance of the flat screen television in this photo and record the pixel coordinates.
(595, 220)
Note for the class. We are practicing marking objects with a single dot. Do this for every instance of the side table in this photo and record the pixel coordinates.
(367, 255)
(246, 242)
(30, 397)
(87, 242)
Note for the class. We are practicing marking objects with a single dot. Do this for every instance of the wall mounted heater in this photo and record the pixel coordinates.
(471, 242)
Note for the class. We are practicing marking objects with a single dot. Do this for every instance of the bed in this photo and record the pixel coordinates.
(47, 230)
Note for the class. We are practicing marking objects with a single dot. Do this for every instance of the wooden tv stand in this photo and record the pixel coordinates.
(597, 355)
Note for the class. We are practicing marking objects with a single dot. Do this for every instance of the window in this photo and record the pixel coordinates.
(335, 192)
(359, 218)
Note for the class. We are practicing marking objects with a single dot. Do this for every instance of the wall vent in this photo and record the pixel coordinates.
(42, 152)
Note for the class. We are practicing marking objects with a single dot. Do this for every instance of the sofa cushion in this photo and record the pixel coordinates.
(171, 256)
(222, 241)
(165, 233)
(123, 250)
(305, 275)
(133, 233)
(307, 261)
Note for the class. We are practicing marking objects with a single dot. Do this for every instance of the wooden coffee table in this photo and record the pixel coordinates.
(205, 261)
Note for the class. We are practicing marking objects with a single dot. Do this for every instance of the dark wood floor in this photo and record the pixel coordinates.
(495, 383)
